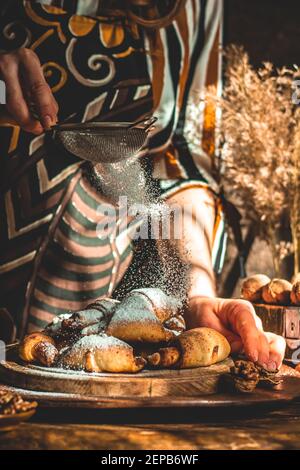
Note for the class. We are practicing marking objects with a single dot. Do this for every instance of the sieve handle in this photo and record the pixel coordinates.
(146, 123)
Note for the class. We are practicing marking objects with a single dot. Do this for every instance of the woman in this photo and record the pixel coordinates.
(98, 60)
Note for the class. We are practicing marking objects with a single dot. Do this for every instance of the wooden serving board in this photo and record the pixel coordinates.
(289, 390)
(151, 383)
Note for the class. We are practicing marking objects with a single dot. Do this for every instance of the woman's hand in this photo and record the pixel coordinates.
(25, 83)
(238, 322)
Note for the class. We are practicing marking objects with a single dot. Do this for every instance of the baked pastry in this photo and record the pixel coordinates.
(164, 358)
(67, 328)
(143, 315)
(38, 347)
(98, 313)
(163, 306)
(201, 347)
(101, 353)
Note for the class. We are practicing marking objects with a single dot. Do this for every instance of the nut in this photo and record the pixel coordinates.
(277, 292)
(251, 288)
(295, 294)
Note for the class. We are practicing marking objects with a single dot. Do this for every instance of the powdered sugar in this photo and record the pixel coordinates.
(93, 342)
(134, 309)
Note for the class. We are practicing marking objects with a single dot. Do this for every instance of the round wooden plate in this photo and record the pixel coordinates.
(145, 384)
(288, 391)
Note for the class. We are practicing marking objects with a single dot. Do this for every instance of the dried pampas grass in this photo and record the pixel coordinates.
(260, 147)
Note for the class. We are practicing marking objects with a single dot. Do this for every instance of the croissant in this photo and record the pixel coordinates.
(101, 353)
(141, 315)
(67, 328)
(99, 312)
(201, 347)
(163, 306)
(38, 347)
(134, 321)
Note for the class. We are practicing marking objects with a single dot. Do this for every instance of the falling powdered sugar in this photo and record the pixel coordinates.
(161, 266)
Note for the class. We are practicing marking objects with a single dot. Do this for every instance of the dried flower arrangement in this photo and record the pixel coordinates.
(259, 152)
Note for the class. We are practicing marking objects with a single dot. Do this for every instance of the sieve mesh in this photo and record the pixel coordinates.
(104, 142)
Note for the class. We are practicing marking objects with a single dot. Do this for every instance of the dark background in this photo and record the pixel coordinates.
(269, 29)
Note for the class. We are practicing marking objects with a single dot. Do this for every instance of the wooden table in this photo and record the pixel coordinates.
(150, 430)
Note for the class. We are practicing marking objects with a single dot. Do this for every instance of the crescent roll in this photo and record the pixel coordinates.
(135, 321)
(101, 353)
(38, 347)
(201, 347)
(163, 306)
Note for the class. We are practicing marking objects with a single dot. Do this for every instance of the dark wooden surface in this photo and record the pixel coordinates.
(170, 430)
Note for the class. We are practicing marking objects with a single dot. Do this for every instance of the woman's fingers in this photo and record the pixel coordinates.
(277, 347)
(201, 313)
(240, 317)
(15, 101)
(37, 88)
(26, 85)
(238, 322)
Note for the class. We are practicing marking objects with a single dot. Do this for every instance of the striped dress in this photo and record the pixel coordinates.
(52, 258)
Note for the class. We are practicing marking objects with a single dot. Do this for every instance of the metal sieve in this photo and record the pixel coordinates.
(104, 142)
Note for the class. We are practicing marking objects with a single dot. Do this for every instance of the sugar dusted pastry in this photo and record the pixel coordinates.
(201, 347)
(147, 315)
(54, 328)
(163, 306)
(101, 353)
(135, 321)
(67, 328)
(99, 312)
(176, 324)
(38, 347)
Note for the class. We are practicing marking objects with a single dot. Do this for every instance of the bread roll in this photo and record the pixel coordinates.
(101, 353)
(201, 347)
(251, 288)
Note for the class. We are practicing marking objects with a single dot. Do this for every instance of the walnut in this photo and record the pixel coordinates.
(295, 294)
(12, 403)
(251, 288)
(247, 376)
(277, 292)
